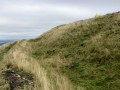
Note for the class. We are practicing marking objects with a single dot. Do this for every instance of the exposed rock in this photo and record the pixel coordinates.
(17, 81)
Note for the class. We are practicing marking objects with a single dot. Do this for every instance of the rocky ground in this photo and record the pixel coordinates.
(17, 81)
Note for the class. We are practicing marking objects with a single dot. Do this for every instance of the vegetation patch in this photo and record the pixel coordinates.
(89, 51)
(17, 79)
(6, 49)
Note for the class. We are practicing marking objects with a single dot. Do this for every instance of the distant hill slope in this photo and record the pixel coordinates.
(84, 55)
(4, 41)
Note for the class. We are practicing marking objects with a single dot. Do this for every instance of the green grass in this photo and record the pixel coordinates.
(91, 51)
(5, 50)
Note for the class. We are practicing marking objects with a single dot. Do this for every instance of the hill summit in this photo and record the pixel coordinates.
(83, 55)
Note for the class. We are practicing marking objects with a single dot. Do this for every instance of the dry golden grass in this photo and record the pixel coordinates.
(57, 32)
(3, 84)
(96, 40)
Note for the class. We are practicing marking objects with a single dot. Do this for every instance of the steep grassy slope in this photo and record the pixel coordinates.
(84, 55)
(87, 52)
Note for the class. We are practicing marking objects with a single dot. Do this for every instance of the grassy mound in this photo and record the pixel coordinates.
(88, 52)
(84, 55)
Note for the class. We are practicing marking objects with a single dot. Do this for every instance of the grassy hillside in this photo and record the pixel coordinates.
(84, 55)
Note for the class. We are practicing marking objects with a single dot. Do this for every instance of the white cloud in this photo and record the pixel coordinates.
(19, 8)
(68, 10)
(5, 20)
(18, 34)
(39, 11)
(34, 17)
(12, 22)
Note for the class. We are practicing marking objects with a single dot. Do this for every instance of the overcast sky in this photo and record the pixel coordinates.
(23, 19)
